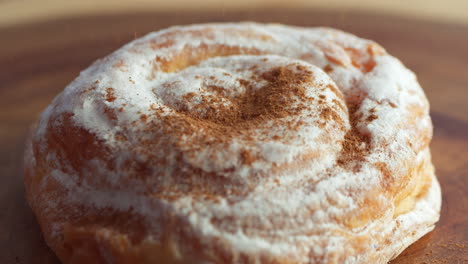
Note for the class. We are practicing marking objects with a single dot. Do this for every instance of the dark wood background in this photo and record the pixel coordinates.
(38, 60)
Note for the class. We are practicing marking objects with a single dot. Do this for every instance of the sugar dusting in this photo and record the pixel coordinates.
(265, 135)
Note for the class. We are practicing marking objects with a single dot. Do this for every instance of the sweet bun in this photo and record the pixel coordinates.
(236, 143)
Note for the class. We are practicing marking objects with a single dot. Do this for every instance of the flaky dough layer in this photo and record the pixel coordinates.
(236, 143)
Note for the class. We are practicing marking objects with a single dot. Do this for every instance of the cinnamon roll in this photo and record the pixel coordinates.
(236, 143)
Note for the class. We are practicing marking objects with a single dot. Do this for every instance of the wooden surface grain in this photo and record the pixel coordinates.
(27, 11)
(38, 60)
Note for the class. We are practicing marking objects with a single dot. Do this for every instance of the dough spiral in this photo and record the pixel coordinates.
(236, 143)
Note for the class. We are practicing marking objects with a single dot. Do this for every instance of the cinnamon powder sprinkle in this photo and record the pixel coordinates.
(110, 96)
(356, 145)
(371, 118)
(329, 114)
(221, 123)
(110, 113)
(247, 157)
(269, 102)
(143, 118)
(328, 68)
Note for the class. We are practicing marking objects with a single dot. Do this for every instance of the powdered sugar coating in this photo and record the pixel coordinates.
(257, 188)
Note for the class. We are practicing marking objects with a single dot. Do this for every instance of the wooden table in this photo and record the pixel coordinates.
(38, 60)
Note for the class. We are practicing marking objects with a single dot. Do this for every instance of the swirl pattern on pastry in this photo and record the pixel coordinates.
(236, 143)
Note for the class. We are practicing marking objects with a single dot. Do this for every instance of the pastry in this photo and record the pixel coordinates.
(235, 143)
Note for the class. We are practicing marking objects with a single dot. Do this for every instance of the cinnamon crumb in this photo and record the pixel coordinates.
(254, 67)
(218, 89)
(189, 96)
(328, 68)
(110, 96)
(144, 118)
(336, 91)
(329, 114)
(339, 104)
(247, 157)
(121, 137)
(110, 113)
(92, 88)
(244, 83)
(300, 67)
(371, 118)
